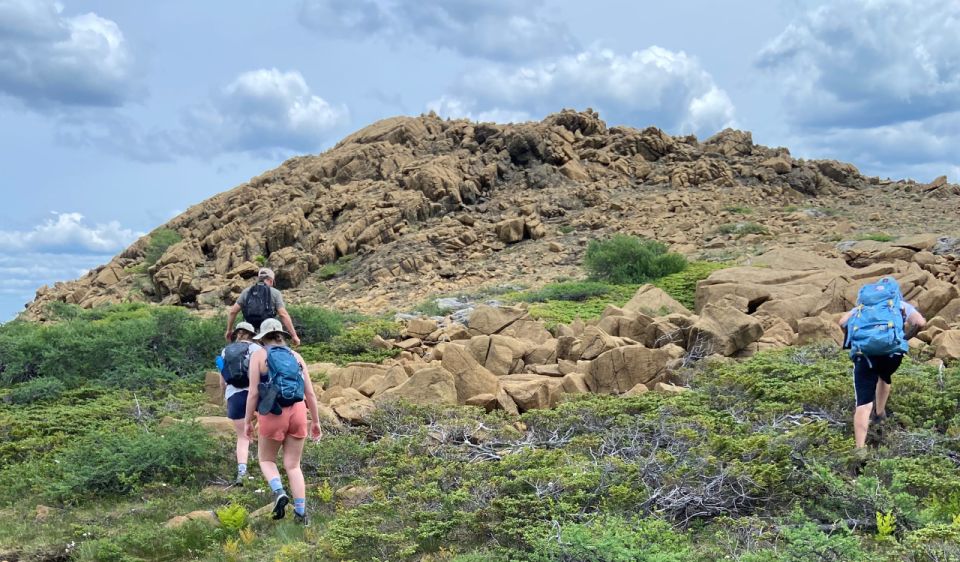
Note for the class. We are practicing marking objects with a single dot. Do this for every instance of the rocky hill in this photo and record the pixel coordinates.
(414, 207)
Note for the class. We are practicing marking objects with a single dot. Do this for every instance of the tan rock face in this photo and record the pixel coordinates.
(653, 301)
(947, 345)
(470, 377)
(430, 385)
(487, 320)
(725, 330)
(620, 369)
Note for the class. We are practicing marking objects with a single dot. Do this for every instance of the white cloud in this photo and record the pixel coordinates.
(654, 86)
(268, 109)
(494, 29)
(864, 63)
(21, 274)
(49, 59)
(874, 81)
(261, 111)
(67, 233)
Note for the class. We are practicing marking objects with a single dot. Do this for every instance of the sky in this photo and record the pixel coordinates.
(115, 116)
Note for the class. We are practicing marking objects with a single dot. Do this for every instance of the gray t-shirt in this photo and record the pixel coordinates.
(275, 296)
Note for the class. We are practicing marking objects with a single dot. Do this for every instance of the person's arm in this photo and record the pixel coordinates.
(315, 432)
(913, 321)
(231, 316)
(843, 319)
(288, 324)
(253, 394)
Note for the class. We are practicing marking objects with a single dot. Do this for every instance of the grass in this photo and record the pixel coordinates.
(562, 303)
(738, 210)
(877, 236)
(334, 269)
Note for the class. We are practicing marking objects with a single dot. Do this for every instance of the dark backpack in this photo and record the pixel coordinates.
(236, 364)
(258, 305)
(285, 374)
(876, 326)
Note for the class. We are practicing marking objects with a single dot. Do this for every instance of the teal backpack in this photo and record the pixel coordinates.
(876, 325)
(285, 374)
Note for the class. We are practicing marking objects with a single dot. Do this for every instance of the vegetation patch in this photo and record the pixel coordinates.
(877, 236)
(626, 259)
(160, 240)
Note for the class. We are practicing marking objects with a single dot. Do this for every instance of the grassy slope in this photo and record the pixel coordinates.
(752, 463)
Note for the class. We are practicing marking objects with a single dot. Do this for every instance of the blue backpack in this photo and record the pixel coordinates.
(876, 325)
(285, 374)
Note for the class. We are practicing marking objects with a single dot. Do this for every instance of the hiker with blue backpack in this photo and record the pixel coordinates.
(877, 328)
(280, 394)
(234, 364)
(259, 302)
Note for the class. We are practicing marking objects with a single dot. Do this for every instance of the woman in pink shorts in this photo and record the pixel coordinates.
(288, 429)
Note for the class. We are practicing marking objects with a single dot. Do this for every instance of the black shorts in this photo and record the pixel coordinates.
(237, 406)
(868, 370)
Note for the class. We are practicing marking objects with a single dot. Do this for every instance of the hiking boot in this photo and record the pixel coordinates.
(858, 459)
(280, 501)
(301, 519)
(876, 418)
(239, 480)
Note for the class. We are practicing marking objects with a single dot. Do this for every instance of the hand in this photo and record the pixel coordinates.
(296, 341)
(315, 432)
(228, 335)
(248, 429)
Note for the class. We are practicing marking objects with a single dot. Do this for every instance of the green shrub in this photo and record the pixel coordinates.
(316, 324)
(117, 463)
(102, 550)
(627, 259)
(739, 210)
(611, 539)
(233, 517)
(117, 340)
(569, 291)
(37, 390)
(160, 240)
(354, 344)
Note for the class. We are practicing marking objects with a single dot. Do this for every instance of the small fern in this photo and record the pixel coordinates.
(886, 523)
(233, 517)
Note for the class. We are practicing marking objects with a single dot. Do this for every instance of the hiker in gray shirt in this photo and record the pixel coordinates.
(260, 302)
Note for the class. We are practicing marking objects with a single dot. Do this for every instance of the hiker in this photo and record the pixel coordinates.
(234, 363)
(877, 330)
(280, 394)
(259, 302)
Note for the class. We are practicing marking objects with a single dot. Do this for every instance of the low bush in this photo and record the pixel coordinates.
(316, 324)
(682, 286)
(626, 259)
(355, 343)
(36, 390)
(876, 236)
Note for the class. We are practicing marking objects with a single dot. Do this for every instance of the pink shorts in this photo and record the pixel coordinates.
(292, 422)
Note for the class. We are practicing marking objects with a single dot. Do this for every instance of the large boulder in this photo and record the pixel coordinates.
(217, 426)
(724, 330)
(618, 370)
(430, 385)
(530, 391)
(470, 377)
(495, 355)
(488, 320)
(653, 301)
(355, 375)
(819, 328)
(211, 387)
(349, 404)
(947, 345)
(595, 342)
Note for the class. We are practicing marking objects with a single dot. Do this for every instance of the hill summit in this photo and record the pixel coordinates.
(412, 207)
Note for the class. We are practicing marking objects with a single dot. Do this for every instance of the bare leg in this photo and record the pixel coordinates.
(292, 451)
(243, 444)
(861, 421)
(883, 392)
(267, 452)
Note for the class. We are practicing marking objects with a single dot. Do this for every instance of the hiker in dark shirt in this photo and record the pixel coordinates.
(260, 302)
